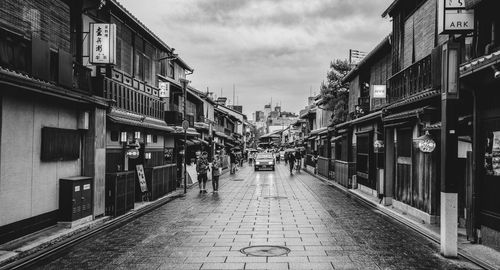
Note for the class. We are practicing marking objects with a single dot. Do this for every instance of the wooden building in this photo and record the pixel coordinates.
(52, 126)
(413, 109)
(480, 77)
(137, 134)
(367, 96)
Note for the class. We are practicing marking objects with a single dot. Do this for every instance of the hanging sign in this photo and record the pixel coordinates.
(102, 43)
(426, 144)
(164, 89)
(379, 91)
(454, 18)
(142, 178)
(132, 153)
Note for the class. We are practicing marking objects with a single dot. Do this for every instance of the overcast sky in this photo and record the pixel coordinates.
(277, 49)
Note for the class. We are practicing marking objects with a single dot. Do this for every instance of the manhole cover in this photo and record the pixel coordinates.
(276, 197)
(238, 179)
(265, 251)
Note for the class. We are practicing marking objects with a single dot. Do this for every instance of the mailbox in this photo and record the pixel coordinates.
(75, 198)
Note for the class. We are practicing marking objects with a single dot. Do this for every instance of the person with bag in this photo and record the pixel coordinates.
(291, 161)
(202, 166)
(216, 170)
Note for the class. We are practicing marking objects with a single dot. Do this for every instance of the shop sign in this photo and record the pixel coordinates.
(132, 153)
(426, 144)
(379, 91)
(164, 89)
(102, 43)
(454, 18)
(141, 177)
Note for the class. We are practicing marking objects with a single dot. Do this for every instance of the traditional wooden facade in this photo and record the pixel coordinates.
(414, 106)
(137, 134)
(480, 76)
(52, 126)
(365, 116)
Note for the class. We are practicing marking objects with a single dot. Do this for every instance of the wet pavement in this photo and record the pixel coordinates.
(321, 227)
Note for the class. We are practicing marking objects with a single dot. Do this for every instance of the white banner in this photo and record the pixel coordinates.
(102, 43)
(164, 89)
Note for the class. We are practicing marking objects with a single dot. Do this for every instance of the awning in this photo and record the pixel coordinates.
(407, 115)
(189, 131)
(188, 142)
(334, 139)
(132, 119)
(201, 125)
(319, 131)
(312, 137)
(479, 63)
(367, 117)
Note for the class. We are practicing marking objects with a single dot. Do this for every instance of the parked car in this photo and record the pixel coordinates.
(264, 161)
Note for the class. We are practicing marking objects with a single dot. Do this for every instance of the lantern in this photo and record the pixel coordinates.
(425, 143)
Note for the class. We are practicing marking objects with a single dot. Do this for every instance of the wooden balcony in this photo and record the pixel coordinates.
(128, 98)
(412, 80)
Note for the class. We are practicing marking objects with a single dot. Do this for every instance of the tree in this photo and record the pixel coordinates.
(334, 93)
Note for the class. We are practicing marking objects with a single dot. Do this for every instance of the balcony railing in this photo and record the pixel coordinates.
(414, 79)
(129, 99)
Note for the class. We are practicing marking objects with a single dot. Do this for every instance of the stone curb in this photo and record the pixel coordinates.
(411, 224)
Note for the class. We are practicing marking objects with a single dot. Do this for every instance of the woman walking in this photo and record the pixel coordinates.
(216, 164)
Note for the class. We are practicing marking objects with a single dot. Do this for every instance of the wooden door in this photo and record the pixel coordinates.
(489, 184)
(365, 161)
(403, 185)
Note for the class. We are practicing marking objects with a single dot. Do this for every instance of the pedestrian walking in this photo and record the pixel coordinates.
(298, 157)
(216, 165)
(291, 161)
(202, 167)
(232, 161)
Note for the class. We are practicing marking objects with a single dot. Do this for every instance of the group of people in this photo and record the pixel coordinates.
(203, 167)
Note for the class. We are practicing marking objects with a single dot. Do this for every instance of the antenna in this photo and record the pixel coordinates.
(233, 93)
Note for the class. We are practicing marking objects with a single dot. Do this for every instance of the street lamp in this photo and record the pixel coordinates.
(185, 126)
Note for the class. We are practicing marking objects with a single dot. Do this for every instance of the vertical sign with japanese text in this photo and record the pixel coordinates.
(164, 89)
(102, 43)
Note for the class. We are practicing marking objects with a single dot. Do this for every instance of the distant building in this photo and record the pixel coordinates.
(267, 110)
(259, 116)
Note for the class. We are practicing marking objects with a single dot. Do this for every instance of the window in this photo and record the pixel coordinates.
(60, 144)
(155, 138)
(114, 136)
(171, 69)
(404, 142)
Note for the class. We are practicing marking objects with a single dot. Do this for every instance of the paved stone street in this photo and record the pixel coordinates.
(323, 228)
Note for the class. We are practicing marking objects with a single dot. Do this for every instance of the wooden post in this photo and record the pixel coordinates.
(94, 156)
(389, 166)
(449, 150)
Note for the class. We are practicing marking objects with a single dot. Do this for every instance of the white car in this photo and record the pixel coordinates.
(264, 161)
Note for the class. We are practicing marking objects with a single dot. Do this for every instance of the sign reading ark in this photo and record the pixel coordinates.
(454, 18)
